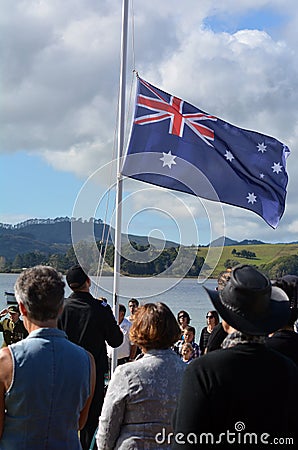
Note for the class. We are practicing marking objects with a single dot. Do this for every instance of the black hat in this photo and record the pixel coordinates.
(249, 303)
(76, 277)
(13, 309)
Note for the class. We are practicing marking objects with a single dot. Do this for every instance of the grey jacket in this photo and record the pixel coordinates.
(140, 401)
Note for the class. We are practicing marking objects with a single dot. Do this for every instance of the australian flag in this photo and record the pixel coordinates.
(176, 145)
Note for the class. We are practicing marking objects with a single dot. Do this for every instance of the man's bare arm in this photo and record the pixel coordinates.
(85, 410)
(6, 369)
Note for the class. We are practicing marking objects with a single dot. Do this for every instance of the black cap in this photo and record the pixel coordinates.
(76, 277)
(13, 309)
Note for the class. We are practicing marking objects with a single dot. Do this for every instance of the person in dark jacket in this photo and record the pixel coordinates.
(212, 319)
(244, 393)
(90, 323)
(218, 334)
(285, 340)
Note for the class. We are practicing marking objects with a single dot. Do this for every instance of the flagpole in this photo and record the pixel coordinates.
(119, 181)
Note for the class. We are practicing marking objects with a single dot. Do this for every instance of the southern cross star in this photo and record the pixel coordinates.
(251, 198)
(168, 159)
(277, 167)
(229, 156)
(262, 147)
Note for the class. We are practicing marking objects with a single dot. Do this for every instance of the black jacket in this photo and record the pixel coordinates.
(90, 323)
(247, 388)
(286, 342)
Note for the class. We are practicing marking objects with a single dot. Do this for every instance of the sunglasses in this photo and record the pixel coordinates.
(209, 317)
(182, 317)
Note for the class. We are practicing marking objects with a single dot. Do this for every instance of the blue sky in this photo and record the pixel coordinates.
(34, 189)
(263, 18)
(60, 81)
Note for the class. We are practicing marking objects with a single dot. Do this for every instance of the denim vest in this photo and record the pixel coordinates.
(50, 386)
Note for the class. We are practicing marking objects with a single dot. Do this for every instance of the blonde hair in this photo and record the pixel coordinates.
(187, 345)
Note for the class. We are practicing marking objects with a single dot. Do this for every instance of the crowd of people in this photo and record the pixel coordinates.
(167, 390)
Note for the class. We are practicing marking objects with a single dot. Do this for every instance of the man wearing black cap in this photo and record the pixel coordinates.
(244, 393)
(90, 323)
(12, 327)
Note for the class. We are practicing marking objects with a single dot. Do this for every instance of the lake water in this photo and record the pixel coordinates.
(186, 294)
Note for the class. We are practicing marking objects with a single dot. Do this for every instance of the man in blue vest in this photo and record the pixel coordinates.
(46, 381)
(90, 323)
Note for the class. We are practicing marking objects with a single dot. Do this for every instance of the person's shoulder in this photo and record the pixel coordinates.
(76, 348)
(5, 357)
(103, 305)
(126, 322)
(213, 358)
(102, 302)
(278, 356)
(284, 335)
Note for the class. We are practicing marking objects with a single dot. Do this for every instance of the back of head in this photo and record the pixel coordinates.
(41, 290)
(76, 277)
(223, 279)
(154, 327)
(289, 284)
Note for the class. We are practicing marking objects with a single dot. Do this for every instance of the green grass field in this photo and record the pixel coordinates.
(265, 253)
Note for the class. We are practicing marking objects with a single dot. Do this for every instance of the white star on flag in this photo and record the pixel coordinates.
(251, 198)
(262, 175)
(277, 167)
(229, 155)
(262, 147)
(168, 159)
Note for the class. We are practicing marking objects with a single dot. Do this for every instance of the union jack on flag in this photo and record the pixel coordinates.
(245, 168)
(173, 110)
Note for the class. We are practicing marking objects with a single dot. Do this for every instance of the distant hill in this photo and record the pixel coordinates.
(231, 242)
(54, 236)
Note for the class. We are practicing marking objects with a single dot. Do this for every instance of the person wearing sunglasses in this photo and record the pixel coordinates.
(212, 319)
(218, 333)
(183, 319)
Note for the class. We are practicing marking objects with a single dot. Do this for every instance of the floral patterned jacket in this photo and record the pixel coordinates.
(140, 402)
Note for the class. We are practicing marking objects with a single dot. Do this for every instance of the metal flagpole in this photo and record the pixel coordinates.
(119, 180)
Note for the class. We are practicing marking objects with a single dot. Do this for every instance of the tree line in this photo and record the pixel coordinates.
(133, 262)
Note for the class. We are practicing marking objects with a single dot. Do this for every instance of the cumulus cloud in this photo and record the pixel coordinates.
(61, 67)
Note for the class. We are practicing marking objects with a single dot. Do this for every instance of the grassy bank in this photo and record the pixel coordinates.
(265, 253)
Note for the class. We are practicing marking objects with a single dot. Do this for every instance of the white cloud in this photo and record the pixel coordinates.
(293, 227)
(60, 77)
